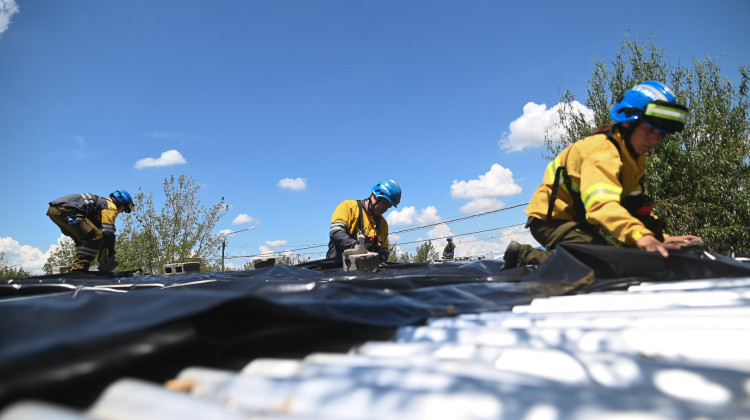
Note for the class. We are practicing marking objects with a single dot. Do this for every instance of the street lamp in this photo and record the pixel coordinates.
(224, 244)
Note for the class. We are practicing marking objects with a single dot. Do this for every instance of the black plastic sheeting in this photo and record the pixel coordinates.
(55, 329)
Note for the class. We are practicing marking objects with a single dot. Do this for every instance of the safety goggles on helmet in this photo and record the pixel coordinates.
(654, 103)
(668, 117)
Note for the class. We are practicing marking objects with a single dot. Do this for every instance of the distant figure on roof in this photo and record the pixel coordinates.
(595, 185)
(366, 216)
(90, 221)
(448, 250)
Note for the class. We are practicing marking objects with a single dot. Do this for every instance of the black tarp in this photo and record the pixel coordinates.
(55, 329)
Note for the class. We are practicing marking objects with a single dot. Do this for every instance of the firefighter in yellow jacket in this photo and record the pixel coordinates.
(366, 216)
(90, 221)
(595, 185)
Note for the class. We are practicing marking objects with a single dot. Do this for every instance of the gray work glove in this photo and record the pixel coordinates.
(108, 264)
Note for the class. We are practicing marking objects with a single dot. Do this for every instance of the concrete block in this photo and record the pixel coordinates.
(61, 269)
(263, 262)
(182, 268)
(369, 261)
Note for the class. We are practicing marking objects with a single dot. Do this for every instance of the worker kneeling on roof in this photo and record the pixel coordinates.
(366, 217)
(90, 221)
(595, 185)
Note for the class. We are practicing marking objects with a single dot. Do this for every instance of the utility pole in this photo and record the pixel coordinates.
(224, 244)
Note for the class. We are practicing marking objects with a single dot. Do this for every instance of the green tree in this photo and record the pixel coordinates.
(181, 231)
(10, 272)
(290, 259)
(62, 256)
(394, 255)
(426, 252)
(698, 178)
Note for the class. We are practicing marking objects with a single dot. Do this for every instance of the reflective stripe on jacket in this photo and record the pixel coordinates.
(603, 176)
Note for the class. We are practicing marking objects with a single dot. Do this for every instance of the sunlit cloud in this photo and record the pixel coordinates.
(498, 181)
(8, 8)
(479, 205)
(29, 258)
(276, 244)
(243, 218)
(529, 129)
(168, 158)
(402, 217)
(294, 184)
(265, 250)
(471, 246)
(409, 215)
(428, 215)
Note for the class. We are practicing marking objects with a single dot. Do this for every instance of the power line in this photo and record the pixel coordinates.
(460, 218)
(402, 243)
(461, 234)
(412, 229)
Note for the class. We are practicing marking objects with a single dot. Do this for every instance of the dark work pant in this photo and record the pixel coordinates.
(554, 232)
(87, 237)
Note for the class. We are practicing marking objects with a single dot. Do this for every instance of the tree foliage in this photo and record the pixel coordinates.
(11, 272)
(426, 252)
(290, 259)
(698, 178)
(181, 231)
(62, 256)
(397, 256)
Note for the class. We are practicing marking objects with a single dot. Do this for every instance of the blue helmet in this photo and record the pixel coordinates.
(124, 198)
(655, 104)
(388, 189)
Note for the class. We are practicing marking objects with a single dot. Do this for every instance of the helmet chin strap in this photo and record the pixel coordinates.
(368, 204)
(627, 132)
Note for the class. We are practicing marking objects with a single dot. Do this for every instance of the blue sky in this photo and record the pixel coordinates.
(286, 108)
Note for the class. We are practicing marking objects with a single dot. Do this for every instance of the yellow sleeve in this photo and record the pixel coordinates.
(345, 215)
(108, 217)
(384, 234)
(601, 192)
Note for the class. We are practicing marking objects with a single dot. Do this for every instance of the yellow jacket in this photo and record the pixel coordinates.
(344, 227)
(604, 177)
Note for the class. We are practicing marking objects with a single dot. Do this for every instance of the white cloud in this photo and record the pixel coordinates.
(294, 184)
(225, 231)
(498, 181)
(479, 205)
(405, 216)
(8, 8)
(528, 130)
(168, 158)
(409, 215)
(243, 218)
(265, 250)
(276, 244)
(271, 247)
(29, 258)
(428, 215)
(470, 246)
(440, 231)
